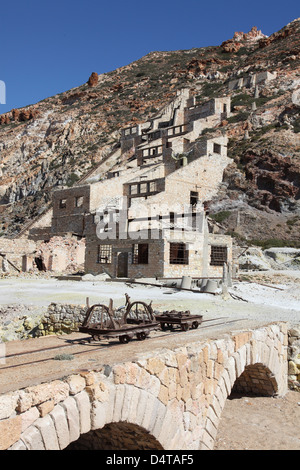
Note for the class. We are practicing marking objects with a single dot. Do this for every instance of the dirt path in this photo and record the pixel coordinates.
(260, 423)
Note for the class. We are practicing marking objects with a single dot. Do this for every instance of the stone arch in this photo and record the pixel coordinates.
(80, 414)
(253, 368)
(256, 379)
(116, 436)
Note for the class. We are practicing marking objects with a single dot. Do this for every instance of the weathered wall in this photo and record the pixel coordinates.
(70, 218)
(153, 269)
(14, 249)
(177, 396)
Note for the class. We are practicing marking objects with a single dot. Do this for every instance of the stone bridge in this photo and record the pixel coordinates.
(166, 399)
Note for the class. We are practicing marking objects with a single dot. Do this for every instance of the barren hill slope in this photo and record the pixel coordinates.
(58, 140)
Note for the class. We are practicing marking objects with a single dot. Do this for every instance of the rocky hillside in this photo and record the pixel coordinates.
(57, 141)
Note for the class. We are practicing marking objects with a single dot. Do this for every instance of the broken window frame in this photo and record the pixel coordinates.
(140, 253)
(218, 255)
(104, 254)
(78, 201)
(179, 254)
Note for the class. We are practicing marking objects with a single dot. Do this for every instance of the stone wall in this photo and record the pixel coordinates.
(294, 358)
(61, 318)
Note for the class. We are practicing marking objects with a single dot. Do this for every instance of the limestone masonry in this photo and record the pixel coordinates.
(175, 395)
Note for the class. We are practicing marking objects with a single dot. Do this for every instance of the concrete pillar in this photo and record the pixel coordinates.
(5, 266)
(186, 282)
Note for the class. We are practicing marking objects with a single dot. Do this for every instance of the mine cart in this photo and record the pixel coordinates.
(134, 319)
(184, 320)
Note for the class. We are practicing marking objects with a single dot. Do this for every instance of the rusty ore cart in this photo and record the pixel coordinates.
(137, 319)
(184, 320)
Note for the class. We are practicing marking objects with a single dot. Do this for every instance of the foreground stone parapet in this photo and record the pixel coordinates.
(294, 358)
(166, 399)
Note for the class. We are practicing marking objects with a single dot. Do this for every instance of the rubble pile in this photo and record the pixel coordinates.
(18, 322)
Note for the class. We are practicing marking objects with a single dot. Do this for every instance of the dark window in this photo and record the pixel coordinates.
(218, 255)
(178, 253)
(104, 255)
(172, 220)
(140, 252)
(62, 203)
(193, 198)
(217, 148)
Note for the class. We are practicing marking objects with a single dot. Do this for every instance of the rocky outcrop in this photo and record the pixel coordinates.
(93, 80)
(253, 35)
(18, 115)
(239, 38)
(231, 46)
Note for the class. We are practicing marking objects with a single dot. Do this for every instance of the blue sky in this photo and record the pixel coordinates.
(50, 47)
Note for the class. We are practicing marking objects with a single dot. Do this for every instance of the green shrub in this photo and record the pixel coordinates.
(220, 216)
(72, 179)
(64, 357)
(243, 116)
(275, 243)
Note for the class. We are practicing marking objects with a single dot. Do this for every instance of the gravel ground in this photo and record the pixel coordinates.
(279, 300)
(260, 423)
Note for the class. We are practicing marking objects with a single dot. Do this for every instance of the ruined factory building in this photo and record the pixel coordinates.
(164, 170)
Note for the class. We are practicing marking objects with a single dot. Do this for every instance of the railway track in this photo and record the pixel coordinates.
(93, 347)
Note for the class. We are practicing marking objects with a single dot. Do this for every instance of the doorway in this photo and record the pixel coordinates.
(122, 264)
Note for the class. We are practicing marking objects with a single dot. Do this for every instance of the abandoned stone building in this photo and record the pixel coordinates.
(141, 211)
(251, 80)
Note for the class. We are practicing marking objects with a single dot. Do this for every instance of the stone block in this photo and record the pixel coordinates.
(155, 366)
(76, 384)
(48, 432)
(46, 407)
(8, 405)
(119, 372)
(25, 401)
(59, 417)
(241, 338)
(84, 407)
(98, 416)
(18, 446)
(32, 438)
(72, 414)
(29, 417)
(10, 431)
(133, 409)
(128, 393)
(141, 406)
(118, 403)
(163, 395)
